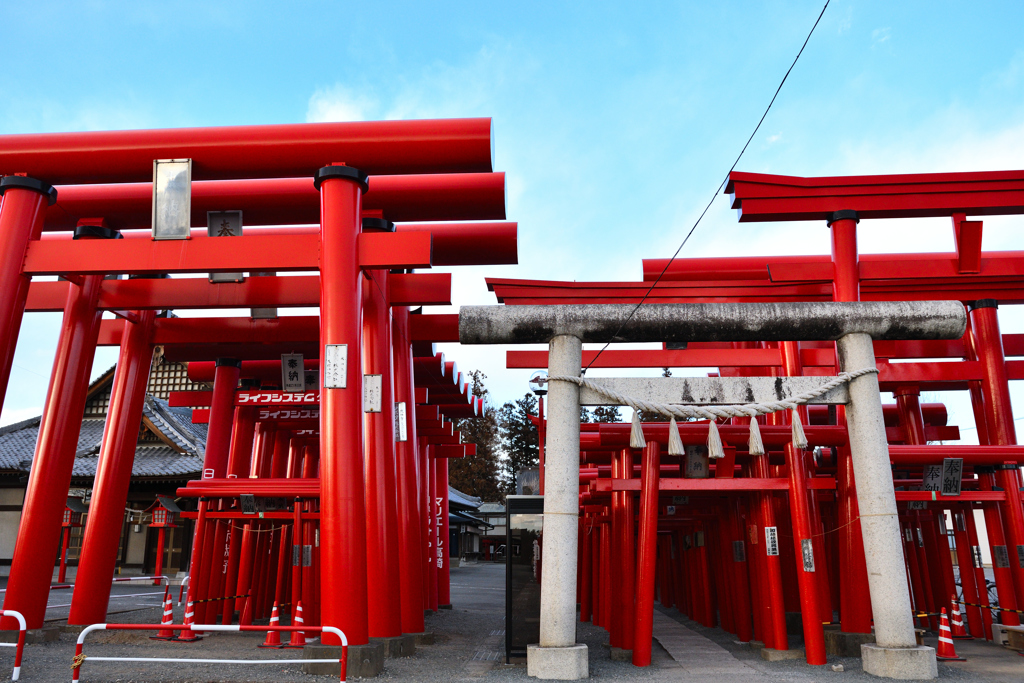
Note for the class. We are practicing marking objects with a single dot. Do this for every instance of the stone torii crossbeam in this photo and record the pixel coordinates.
(853, 326)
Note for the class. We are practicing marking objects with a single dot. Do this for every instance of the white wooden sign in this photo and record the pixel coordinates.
(401, 422)
(771, 540)
(335, 366)
(373, 386)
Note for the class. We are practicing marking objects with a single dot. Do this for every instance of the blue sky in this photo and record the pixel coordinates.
(614, 122)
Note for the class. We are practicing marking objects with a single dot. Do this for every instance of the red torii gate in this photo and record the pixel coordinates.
(967, 275)
(258, 169)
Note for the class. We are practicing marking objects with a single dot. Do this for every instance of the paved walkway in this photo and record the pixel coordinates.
(698, 655)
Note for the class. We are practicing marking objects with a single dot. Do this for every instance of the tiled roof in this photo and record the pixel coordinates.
(461, 500)
(150, 461)
(176, 425)
(18, 444)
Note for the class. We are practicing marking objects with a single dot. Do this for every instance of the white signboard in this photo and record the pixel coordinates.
(771, 540)
(373, 386)
(293, 375)
(807, 550)
(401, 422)
(670, 509)
(335, 366)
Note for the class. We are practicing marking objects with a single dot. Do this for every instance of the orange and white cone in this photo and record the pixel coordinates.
(946, 651)
(168, 618)
(956, 622)
(187, 635)
(273, 637)
(298, 639)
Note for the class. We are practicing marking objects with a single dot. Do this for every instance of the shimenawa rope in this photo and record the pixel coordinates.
(715, 449)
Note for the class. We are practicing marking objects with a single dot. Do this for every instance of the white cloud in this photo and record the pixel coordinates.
(880, 35)
(339, 103)
(774, 138)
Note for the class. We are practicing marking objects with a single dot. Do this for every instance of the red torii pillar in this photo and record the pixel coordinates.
(989, 347)
(215, 464)
(50, 477)
(443, 559)
(410, 545)
(21, 221)
(383, 594)
(342, 504)
(113, 473)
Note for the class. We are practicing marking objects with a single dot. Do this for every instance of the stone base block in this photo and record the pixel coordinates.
(398, 646)
(364, 661)
(448, 606)
(621, 655)
(557, 663)
(755, 644)
(425, 638)
(46, 634)
(842, 644)
(902, 663)
(773, 655)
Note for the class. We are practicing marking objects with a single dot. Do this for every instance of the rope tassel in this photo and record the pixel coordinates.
(715, 449)
(636, 433)
(675, 443)
(754, 443)
(798, 437)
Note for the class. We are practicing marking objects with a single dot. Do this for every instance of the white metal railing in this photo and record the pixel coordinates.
(80, 657)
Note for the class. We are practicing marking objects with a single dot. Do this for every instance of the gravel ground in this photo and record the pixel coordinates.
(470, 645)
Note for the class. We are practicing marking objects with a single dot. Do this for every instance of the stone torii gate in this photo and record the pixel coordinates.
(895, 654)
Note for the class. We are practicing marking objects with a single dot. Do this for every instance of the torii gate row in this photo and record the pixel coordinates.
(30, 164)
(782, 278)
(566, 328)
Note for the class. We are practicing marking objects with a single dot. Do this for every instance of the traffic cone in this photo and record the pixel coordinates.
(273, 637)
(298, 638)
(168, 618)
(187, 635)
(956, 621)
(946, 651)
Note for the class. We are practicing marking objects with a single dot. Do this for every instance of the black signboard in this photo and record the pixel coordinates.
(524, 545)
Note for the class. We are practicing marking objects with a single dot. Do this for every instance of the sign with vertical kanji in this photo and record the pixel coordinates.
(670, 510)
(293, 375)
(976, 555)
(771, 540)
(225, 224)
(335, 366)
(373, 386)
(932, 480)
(807, 550)
(952, 471)
(1000, 558)
(401, 422)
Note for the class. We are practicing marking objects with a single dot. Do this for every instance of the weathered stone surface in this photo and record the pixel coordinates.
(773, 655)
(843, 644)
(398, 646)
(902, 663)
(364, 661)
(557, 663)
(46, 634)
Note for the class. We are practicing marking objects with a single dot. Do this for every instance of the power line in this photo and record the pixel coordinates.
(714, 194)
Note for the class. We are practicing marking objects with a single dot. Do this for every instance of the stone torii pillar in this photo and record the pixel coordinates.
(853, 325)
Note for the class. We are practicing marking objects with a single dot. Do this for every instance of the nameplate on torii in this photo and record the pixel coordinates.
(268, 414)
(277, 398)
